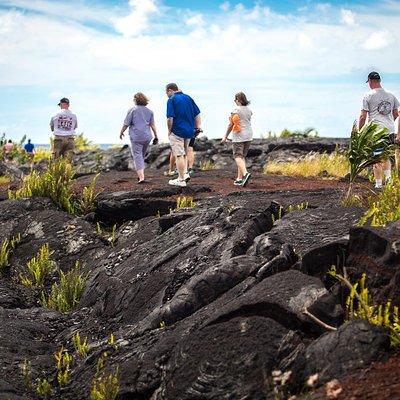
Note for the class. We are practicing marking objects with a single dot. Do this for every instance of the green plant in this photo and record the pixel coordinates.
(63, 362)
(113, 237)
(27, 373)
(207, 165)
(82, 143)
(359, 304)
(296, 207)
(185, 202)
(5, 250)
(100, 363)
(106, 387)
(41, 153)
(86, 203)
(43, 388)
(39, 267)
(65, 295)
(386, 207)
(55, 183)
(81, 346)
(367, 147)
(4, 180)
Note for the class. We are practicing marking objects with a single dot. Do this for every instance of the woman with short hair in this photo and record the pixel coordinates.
(242, 135)
(140, 121)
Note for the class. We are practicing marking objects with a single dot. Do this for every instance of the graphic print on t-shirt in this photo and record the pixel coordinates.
(384, 108)
(64, 123)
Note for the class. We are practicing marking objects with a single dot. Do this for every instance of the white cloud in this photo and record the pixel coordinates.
(378, 40)
(211, 56)
(225, 6)
(196, 20)
(137, 21)
(348, 17)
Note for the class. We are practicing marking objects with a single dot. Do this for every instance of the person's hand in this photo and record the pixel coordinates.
(121, 135)
(155, 140)
(223, 140)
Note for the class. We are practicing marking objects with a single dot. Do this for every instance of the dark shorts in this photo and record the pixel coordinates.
(240, 149)
(191, 142)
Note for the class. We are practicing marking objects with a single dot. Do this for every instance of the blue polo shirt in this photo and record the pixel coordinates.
(183, 110)
(29, 147)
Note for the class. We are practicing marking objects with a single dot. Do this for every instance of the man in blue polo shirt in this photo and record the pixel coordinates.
(183, 120)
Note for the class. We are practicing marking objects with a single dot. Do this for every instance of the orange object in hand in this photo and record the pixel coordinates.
(235, 121)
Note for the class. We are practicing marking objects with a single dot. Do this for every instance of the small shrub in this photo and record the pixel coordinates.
(27, 373)
(207, 165)
(83, 144)
(81, 346)
(41, 153)
(4, 180)
(105, 387)
(54, 183)
(185, 202)
(66, 295)
(86, 203)
(101, 361)
(359, 304)
(43, 388)
(6, 248)
(39, 267)
(386, 207)
(313, 165)
(297, 207)
(64, 361)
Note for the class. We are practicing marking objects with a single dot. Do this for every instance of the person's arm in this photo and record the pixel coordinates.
(228, 131)
(127, 123)
(362, 119)
(52, 125)
(197, 121)
(123, 129)
(153, 128)
(170, 122)
(398, 128)
(395, 113)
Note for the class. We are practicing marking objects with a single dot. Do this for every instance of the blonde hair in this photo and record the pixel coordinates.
(140, 99)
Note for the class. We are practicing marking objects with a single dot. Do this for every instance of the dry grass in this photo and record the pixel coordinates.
(334, 165)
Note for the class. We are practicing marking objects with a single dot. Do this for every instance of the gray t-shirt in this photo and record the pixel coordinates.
(139, 119)
(64, 123)
(246, 131)
(380, 105)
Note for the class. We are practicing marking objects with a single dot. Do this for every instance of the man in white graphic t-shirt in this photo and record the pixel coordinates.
(380, 107)
(63, 125)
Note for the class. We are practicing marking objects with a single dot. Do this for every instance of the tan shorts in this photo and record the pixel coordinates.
(179, 145)
(63, 146)
(240, 149)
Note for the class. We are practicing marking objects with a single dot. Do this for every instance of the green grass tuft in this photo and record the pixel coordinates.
(65, 295)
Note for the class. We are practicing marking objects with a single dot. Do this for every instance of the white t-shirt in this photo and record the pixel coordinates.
(380, 105)
(64, 123)
(246, 131)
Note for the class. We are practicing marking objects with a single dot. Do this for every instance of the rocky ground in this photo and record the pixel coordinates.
(204, 302)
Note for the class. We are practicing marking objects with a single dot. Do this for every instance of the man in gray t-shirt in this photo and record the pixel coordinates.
(380, 107)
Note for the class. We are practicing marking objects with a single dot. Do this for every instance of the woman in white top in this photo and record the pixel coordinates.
(242, 135)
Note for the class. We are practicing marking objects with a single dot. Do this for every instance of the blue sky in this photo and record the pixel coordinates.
(302, 63)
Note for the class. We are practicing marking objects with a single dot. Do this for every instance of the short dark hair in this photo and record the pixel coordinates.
(172, 86)
(141, 99)
(29, 140)
(241, 97)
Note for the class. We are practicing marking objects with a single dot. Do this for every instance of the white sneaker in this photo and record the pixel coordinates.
(177, 182)
(186, 177)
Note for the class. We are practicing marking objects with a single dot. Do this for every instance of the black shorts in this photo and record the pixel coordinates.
(191, 142)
